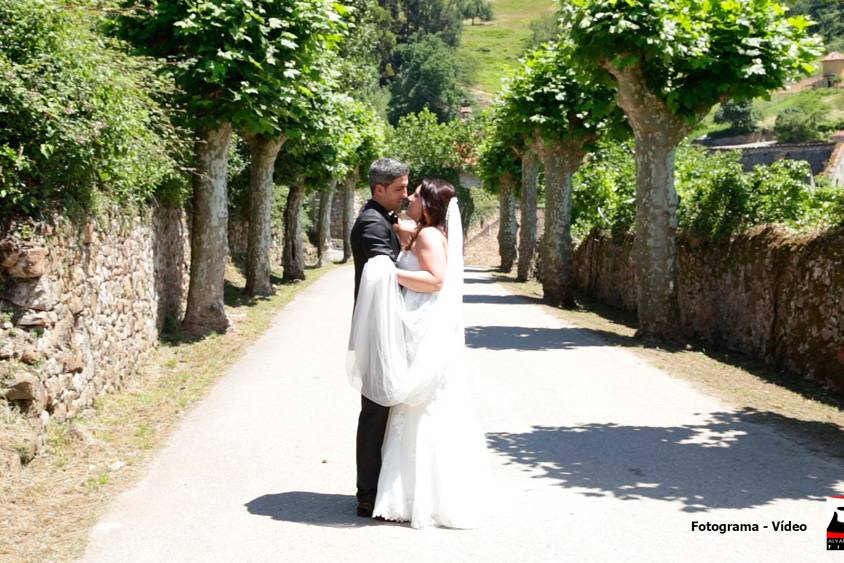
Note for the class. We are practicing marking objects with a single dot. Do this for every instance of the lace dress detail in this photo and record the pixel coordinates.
(434, 460)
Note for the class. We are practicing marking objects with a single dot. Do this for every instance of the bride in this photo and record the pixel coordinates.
(406, 352)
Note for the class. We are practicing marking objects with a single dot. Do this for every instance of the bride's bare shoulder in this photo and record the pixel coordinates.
(431, 233)
(431, 236)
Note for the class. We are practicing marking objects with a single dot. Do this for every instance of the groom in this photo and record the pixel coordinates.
(373, 234)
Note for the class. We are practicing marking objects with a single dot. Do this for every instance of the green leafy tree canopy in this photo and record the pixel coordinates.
(496, 156)
(694, 53)
(248, 62)
(740, 115)
(427, 78)
(549, 97)
(81, 122)
(431, 148)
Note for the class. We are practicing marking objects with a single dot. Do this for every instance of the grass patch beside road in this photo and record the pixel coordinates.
(47, 510)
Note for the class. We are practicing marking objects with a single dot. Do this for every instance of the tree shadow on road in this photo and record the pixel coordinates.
(305, 507)
(487, 281)
(729, 461)
(501, 299)
(529, 338)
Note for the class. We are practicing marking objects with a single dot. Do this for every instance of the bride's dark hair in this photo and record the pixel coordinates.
(436, 195)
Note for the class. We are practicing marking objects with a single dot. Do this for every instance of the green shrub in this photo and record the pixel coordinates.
(237, 178)
(824, 207)
(740, 115)
(79, 119)
(713, 192)
(605, 191)
(779, 193)
(434, 149)
(801, 123)
(831, 126)
(716, 198)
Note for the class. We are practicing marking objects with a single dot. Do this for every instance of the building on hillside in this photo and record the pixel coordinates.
(833, 71)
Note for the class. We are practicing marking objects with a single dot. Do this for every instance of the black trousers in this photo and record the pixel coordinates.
(372, 424)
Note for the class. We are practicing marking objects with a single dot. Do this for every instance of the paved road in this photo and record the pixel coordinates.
(597, 456)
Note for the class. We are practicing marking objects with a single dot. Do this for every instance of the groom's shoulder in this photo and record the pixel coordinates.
(369, 215)
(368, 223)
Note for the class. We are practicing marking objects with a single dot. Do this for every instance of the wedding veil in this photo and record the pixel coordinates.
(400, 356)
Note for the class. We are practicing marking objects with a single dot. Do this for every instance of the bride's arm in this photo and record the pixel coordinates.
(430, 249)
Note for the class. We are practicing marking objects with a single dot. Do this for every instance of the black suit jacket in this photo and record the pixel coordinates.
(373, 234)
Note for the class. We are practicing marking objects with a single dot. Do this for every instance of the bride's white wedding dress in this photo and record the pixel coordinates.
(434, 459)
(406, 352)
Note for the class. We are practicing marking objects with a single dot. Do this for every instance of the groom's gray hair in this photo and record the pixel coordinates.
(385, 170)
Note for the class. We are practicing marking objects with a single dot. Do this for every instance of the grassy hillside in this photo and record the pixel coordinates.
(492, 49)
(490, 52)
(831, 98)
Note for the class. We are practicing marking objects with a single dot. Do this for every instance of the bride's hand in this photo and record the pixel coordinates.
(404, 229)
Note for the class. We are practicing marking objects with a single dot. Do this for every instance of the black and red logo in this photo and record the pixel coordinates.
(835, 530)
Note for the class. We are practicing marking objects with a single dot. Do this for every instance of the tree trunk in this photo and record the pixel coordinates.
(312, 199)
(348, 213)
(263, 151)
(654, 245)
(555, 253)
(326, 199)
(507, 225)
(205, 311)
(293, 257)
(658, 131)
(527, 231)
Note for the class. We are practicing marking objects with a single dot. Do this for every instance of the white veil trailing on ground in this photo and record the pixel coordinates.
(398, 355)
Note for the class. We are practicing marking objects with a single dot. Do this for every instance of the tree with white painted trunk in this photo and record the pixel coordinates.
(508, 226)
(370, 148)
(311, 161)
(263, 151)
(351, 182)
(671, 61)
(355, 139)
(499, 168)
(343, 138)
(517, 132)
(236, 62)
(293, 253)
(299, 72)
(567, 114)
(527, 206)
(291, 171)
(326, 200)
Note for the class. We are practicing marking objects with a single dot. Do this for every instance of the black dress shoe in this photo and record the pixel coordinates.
(365, 509)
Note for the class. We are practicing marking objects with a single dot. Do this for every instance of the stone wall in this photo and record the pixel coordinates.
(816, 154)
(238, 236)
(759, 136)
(82, 303)
(771, 294)
(337, 213)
